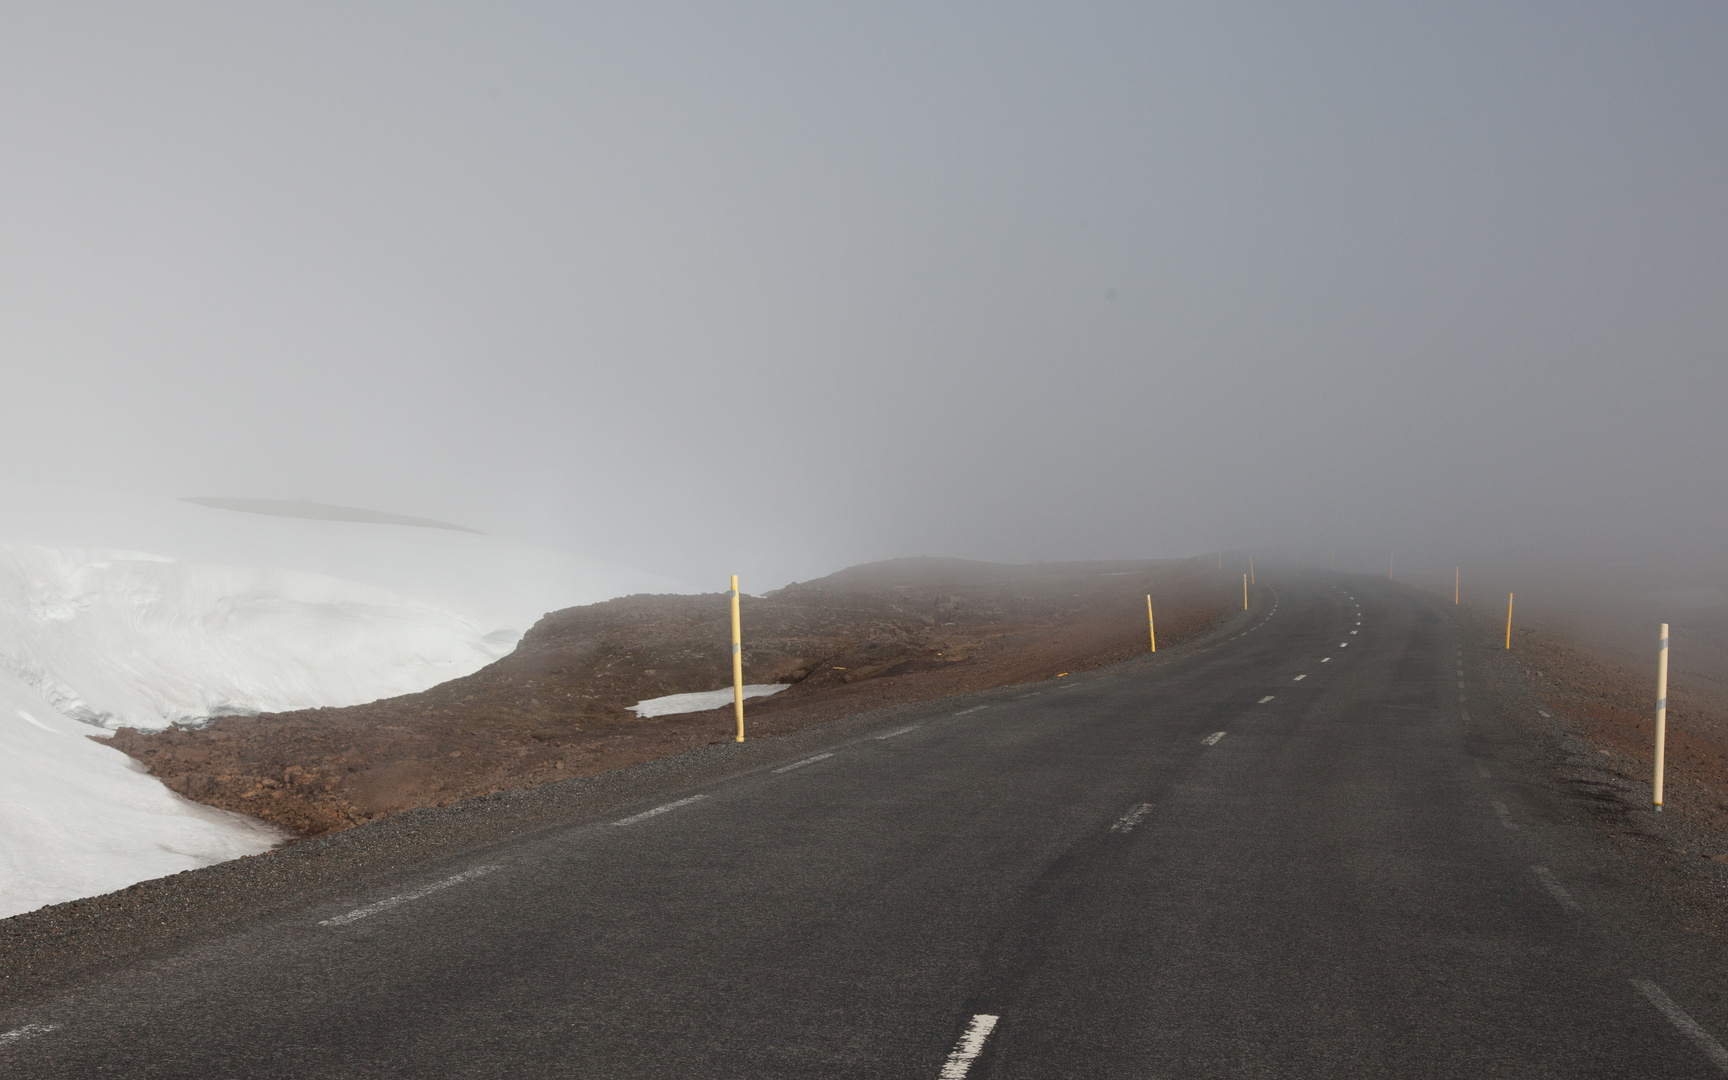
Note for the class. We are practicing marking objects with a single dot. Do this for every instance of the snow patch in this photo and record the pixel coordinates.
(701, 700)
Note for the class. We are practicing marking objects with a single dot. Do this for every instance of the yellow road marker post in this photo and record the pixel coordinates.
(1454, 585)
(1244, 592)
(1151, 627)
(737, 662)
(1508, 620)
(1661, 712)
(1251, 569)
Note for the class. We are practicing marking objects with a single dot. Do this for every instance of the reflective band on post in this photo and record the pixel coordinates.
(1661, 716)
(734, 646)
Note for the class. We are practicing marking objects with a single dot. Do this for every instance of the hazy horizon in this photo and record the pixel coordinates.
(773, 290)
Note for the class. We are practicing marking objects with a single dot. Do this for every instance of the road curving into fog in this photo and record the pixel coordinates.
(1317, 847)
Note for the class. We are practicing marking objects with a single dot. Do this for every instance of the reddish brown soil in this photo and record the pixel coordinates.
(1612, 706)
(876, 635)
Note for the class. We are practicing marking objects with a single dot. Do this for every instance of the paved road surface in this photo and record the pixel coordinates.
(1312, 850)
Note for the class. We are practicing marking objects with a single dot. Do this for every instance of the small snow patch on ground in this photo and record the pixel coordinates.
(701, 701)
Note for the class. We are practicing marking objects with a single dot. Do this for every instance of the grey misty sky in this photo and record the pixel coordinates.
(774, 289)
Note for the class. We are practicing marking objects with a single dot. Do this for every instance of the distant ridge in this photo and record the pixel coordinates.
(306, 508)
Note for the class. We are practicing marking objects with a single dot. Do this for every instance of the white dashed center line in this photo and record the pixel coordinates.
(801, 764)
(28, 1031)
(1265, 699)
(1554, 887)
(389, 902)
(646, 814)
(1212, 739)
(1326, 659)
(1343, 644)
(1505, 814)
(1677, 1016)
(902, 731)
(969, 1047)
(1299, 678)
(1132, 818)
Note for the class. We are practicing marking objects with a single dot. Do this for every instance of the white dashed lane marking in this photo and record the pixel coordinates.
(966, 1051)
(1554, 887)
(801, 764)
(28, 1031)
(402, 898)
(1127, 821)
(1325, 660)
(902, 731)
(1212, 739)
(1299, 678)
(1505, 814)
(646, 814)
(1690, 1027)
(1265, 699)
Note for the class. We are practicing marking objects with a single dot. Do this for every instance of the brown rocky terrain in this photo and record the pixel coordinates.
(558, 706)
(1610, 702)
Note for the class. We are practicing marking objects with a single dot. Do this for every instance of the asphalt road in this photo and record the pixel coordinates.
(1315, 849)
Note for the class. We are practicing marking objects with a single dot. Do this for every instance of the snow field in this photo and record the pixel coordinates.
(121, 610)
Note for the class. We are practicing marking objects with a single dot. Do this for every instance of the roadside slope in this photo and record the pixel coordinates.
(558, 706)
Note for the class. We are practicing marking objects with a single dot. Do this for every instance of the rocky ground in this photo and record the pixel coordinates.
(1609, 702)
(872, 636)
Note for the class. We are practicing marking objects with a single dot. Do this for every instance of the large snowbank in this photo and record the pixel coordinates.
(123, 638)
(120, 610)
(78, 818)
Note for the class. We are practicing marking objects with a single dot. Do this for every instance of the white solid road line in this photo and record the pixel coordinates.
(966, 1051)
(1677, 1016)
(801, 764)
(1212, 739)
(1127, 821)
(28, 1031)
(646, 814)
(1553, 886)
(1505, 814)
(902, 731)
(402, 898)
(1299, 678)
(1265, 699)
